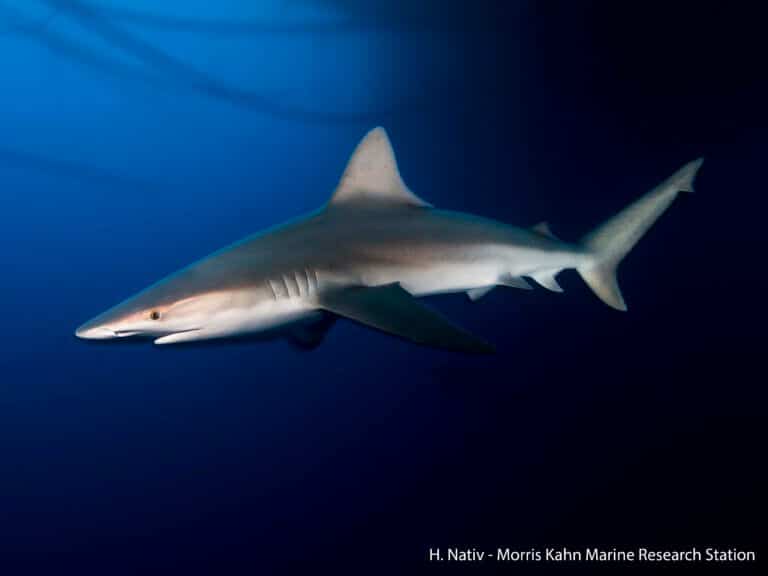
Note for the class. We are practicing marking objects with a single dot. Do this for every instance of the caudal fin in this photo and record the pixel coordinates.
(610, 242)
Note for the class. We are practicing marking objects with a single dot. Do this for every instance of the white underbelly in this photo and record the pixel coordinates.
(463, 274)
(266, 316)
(439, 278)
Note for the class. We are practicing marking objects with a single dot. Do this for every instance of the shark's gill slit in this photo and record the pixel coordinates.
(299, 285)
(317, 282)
(310, 287)
(289, 286)
(272, 288)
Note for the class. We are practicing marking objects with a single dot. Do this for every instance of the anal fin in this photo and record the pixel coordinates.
(515, 282)
(393, 310)
(546, 278)
(504, 280)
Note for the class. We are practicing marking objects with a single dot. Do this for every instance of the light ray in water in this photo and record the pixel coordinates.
(16, 25)
(182, 72)
(248, 27)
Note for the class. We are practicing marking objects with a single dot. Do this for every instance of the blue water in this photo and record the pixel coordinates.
(130, 146)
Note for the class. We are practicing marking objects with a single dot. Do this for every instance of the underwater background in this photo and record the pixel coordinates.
(139, 135)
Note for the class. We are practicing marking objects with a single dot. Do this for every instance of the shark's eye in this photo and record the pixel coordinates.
(154, 315)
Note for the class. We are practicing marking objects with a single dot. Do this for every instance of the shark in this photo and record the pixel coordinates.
(368, 255)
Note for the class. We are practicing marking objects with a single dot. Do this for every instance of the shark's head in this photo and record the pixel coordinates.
(143, 316)
(151, 314)
(177, 309)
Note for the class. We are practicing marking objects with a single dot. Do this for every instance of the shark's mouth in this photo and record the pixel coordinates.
(179, 336)
(125, 333)
(130, 333)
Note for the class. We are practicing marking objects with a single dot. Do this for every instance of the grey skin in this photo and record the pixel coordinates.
(366, 256)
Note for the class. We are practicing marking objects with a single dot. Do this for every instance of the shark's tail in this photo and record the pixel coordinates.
(610, 242)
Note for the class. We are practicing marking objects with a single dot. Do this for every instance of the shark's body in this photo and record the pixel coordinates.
(365, 256)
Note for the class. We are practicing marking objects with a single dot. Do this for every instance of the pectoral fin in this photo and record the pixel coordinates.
(393, 310)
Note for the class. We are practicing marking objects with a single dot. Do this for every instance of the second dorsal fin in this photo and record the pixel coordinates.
(544, 229)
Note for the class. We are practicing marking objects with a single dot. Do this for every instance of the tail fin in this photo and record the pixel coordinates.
(610, 242)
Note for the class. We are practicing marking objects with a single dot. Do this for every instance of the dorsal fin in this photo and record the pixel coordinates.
(371, 175)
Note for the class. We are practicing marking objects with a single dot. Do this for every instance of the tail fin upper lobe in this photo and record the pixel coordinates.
(610, 242)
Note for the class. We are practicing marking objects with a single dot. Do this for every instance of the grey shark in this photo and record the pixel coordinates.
(366, 256)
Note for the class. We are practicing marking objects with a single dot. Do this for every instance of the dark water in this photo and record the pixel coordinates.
(136, 139)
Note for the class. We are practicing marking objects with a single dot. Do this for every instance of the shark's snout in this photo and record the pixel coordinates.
(89, 332)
